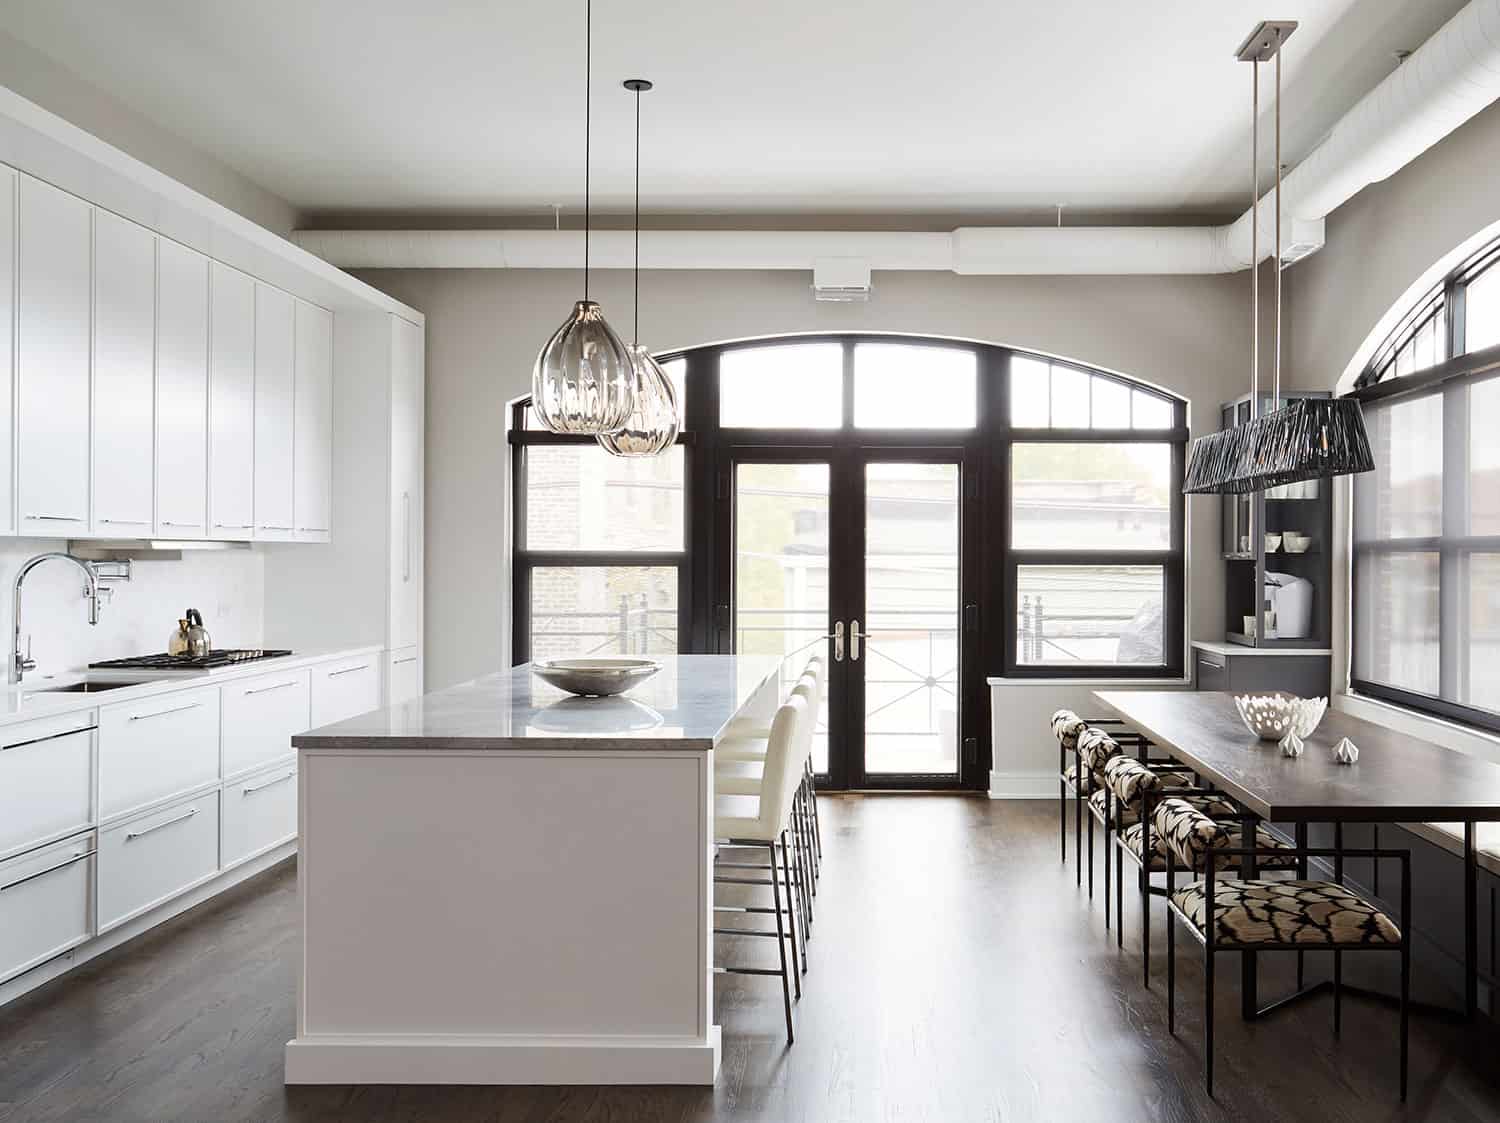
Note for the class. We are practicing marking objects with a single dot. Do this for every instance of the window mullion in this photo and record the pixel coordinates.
(1452, 625)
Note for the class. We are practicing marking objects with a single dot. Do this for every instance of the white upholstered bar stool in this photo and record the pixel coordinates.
(742, 775)
(764, 820)
(744, 742)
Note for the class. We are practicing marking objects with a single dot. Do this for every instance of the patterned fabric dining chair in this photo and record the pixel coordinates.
(1259, 914)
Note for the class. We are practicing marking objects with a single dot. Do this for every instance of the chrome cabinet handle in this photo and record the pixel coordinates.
(348, 670)
(234, 526)
(50, 869)
(312, 530)
(838, 641)
(162, 713)
(268, 526)
(408, 659)
(56, 518)
(406, 536)
(267, 784)
(164, 522)
(191, 811)
(49, 737)
(124, 522)
(275, 686)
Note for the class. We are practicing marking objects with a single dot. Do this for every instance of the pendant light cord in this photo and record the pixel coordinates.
(636, 332)
(1276, 386)
(1255, 238)
(588, 63)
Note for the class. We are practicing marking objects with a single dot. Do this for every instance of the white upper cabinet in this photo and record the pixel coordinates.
(124, 375)
(231, 405)
(274, 347)
(53, 361)
(407, 391)
(312, 427)
(7, 348)
(181, 391)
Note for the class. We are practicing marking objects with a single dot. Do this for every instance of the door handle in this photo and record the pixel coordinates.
(855, 635)
(838, 641)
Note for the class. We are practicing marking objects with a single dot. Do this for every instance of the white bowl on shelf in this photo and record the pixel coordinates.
(1273, 543)
(1294, 543)
(1272, 716)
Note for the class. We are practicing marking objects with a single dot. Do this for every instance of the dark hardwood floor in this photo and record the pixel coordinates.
(957, 974)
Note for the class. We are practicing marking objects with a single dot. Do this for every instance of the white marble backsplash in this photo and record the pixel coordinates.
(227, 586)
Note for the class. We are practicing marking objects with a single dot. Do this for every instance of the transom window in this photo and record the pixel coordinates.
(1426, 588)
(1076, 473)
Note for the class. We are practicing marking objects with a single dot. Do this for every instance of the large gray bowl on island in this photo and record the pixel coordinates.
(595, 678)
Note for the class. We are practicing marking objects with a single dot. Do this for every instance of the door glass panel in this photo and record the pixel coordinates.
(603, 610)
(786, 386)
(910, 658)
(910, 386)
(1091, 496)
(781, 568)
(1480, 627)
(578, 497)
(1097, 615)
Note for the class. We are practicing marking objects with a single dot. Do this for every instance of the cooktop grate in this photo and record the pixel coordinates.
(223, 657)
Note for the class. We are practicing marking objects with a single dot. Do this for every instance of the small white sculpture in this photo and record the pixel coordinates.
(1291, 745)
(1345, 752)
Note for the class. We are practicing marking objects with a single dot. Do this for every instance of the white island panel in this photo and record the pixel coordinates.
(502, 884)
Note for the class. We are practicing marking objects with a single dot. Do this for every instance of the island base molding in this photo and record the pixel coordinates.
(424, 1059)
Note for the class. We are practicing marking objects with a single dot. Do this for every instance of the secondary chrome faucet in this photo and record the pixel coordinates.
(21, 662)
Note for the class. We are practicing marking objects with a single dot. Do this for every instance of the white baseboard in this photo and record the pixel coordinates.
(113, 938)
(1023, 785)
(437, 1059)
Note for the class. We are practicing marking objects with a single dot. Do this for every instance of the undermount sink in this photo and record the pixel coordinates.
(82, 688)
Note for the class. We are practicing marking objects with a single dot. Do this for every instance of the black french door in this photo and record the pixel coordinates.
(867, 553)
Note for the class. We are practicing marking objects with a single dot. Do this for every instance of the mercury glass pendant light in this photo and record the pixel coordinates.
(582, 381)
(651, 428)
(1308, 438)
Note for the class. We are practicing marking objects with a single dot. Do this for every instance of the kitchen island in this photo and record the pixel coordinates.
(503, 884)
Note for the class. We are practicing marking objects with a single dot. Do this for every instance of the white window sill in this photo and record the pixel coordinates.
(1112, 683)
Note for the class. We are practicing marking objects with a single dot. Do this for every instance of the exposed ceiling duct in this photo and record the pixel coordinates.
(1453, 76)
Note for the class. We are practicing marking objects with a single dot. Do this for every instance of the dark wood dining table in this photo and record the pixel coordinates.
(1398, 778)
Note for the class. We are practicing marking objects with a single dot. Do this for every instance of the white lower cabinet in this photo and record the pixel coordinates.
(258, 812)
(344, 688)
(44, 903)
(46, 781)
(261, 715)
(147, 860)
(158, 746)
(403, 676)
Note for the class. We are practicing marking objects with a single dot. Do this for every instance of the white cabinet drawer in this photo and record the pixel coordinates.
(258, 812)
(403, 676)
(45, 781)
(345, 688)
(156, 747)
(44, 904)
(260, 716)
(147, 860)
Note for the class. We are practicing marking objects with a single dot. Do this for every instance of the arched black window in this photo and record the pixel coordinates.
(1425, 594)
(967, 510)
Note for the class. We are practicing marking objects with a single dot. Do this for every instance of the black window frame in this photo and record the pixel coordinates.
(1378, 383)
(705, 622)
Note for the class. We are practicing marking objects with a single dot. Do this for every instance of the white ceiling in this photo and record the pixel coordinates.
(930, 107)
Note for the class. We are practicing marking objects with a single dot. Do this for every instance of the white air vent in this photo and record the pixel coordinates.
(843, 280)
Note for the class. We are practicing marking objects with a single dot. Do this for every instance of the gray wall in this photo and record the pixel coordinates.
(41, 79)
(1381, 242)
(1187, 334)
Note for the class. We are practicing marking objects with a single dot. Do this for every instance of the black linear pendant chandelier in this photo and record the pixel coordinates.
(1308, 438)
(582, 381)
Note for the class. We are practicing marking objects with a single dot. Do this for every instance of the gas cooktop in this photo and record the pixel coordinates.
(223, 657)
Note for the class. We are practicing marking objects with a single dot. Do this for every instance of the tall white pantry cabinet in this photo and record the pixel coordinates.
(374, 554)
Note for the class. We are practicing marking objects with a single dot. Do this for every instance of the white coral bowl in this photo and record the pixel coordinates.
(1272, 716)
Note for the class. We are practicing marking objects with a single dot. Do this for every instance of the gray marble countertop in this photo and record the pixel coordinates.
(684, 707)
